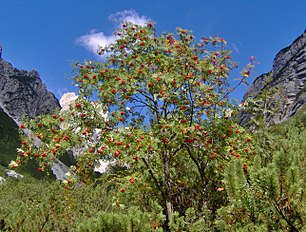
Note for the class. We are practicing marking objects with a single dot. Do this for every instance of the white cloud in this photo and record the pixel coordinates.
(94, 39)
(128, 16)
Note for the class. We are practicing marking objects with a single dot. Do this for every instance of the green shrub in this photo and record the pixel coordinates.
(269, 196)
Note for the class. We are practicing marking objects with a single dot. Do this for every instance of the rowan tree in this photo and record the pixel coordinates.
(170, 120)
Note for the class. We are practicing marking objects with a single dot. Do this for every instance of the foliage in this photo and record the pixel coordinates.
(169, 119)
(128, 220)
(9, 142)
(270, 195)
(32, 205)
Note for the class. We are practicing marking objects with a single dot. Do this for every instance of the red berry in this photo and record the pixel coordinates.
(247, 73)
(119, 143)
(213, 156)
(244, 166)
(116, 153)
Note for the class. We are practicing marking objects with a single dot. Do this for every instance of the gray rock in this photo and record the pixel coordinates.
(288, 78)
(12, 173)
(23, 93)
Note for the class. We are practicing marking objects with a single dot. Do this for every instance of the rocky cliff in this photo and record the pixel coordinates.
(23, 93)
(286, 83)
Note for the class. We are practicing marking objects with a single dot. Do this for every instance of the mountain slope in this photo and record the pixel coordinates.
(9, 139)
(286, 83)
(21, 93)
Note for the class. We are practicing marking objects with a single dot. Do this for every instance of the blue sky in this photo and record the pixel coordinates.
(48, 35)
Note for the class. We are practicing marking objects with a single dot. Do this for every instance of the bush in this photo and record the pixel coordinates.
(269, 196)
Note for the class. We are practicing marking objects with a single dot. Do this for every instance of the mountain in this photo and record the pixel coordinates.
(21, 93)
(285, 83)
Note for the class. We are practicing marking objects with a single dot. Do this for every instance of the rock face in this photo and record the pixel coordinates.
(23, 93)
(286, 80)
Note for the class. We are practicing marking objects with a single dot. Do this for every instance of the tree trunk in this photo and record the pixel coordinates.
(169, 205)
(169, 209)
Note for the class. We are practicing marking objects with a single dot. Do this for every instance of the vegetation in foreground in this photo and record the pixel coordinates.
(270, 196)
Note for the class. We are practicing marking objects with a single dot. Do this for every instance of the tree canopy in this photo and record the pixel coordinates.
(170, 121)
